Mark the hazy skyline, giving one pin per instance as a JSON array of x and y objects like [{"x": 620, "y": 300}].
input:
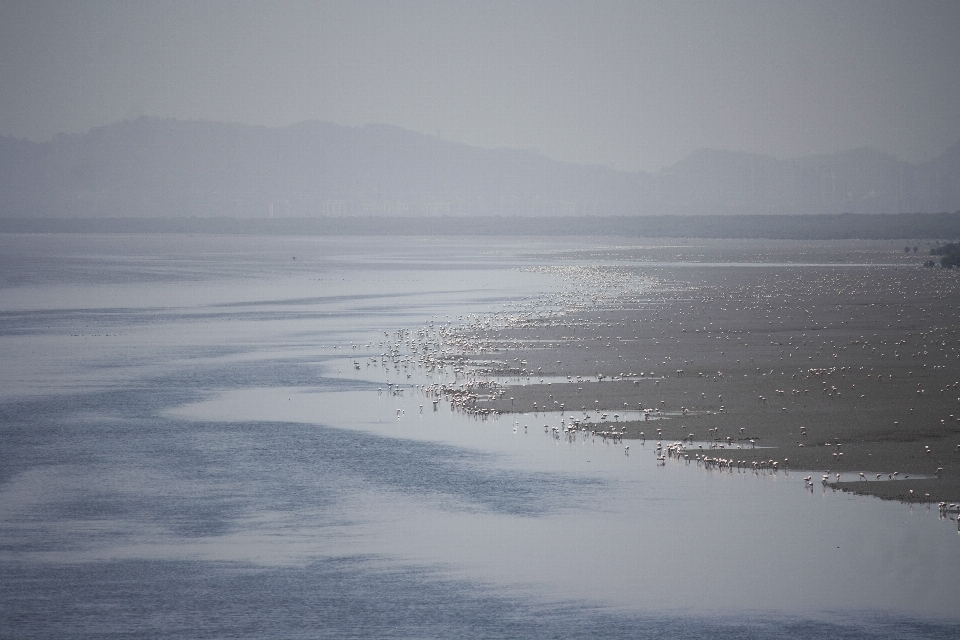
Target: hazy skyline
[{"x": 635, "y": 86}]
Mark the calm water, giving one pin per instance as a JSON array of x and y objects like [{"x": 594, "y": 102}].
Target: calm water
[{"x": 186, "y": 450}]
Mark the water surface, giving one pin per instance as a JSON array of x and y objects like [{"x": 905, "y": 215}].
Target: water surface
[{"x": 188, "y": 451}]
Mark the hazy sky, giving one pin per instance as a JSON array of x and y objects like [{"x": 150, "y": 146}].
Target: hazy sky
[{"x": 633, "y": 85}]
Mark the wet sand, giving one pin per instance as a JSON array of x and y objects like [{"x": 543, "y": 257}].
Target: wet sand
[{"x": 829, "y": 369}]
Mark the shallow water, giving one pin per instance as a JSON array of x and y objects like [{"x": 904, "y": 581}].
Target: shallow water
[{"x": 189, "y": 452}]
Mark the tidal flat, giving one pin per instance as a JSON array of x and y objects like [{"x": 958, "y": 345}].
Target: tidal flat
[{"x": 841, "y": 359}]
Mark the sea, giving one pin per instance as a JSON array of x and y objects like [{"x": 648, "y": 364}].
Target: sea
[{"x": 208, "y": 436}]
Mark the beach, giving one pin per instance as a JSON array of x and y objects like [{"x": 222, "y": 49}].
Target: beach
[{"x": 840, "y": 359}]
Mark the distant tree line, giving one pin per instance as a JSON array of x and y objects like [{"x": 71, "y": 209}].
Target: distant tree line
[
  {"x": 949, "y": 255},
  {"x": 930, "y": 226}
]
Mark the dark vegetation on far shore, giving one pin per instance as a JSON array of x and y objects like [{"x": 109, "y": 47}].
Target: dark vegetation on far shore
[
  {"x": 949, "y": 255},
  {"x": 937, "y": 226}
]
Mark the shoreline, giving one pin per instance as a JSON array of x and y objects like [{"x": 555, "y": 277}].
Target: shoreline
[{"x": 827, "y": 370}]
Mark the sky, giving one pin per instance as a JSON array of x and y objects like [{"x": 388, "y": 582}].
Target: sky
[{"x": 631, "y": 85}]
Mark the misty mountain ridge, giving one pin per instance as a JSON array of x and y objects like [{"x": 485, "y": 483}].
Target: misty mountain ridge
[{"x": 151, "y": 167}]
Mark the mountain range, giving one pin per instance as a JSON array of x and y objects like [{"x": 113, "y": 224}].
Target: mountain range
[{"x": 151, "y": 167}]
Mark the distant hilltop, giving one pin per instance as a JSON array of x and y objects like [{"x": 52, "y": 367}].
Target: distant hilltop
[{"x": 152, "y": 167}]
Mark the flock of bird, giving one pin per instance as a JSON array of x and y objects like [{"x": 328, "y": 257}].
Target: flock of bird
[{"x": 896, "y": 324}]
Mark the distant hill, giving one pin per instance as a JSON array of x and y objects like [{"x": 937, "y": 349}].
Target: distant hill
[
  {"x": 857, "y": 181},
  {"x": 150, "y": 167}
]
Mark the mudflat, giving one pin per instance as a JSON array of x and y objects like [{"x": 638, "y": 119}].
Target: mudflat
[{"x": 837, "y": 358}]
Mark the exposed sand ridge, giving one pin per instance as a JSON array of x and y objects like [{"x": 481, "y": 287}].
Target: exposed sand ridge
[{"x": 836, "y": 368}]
